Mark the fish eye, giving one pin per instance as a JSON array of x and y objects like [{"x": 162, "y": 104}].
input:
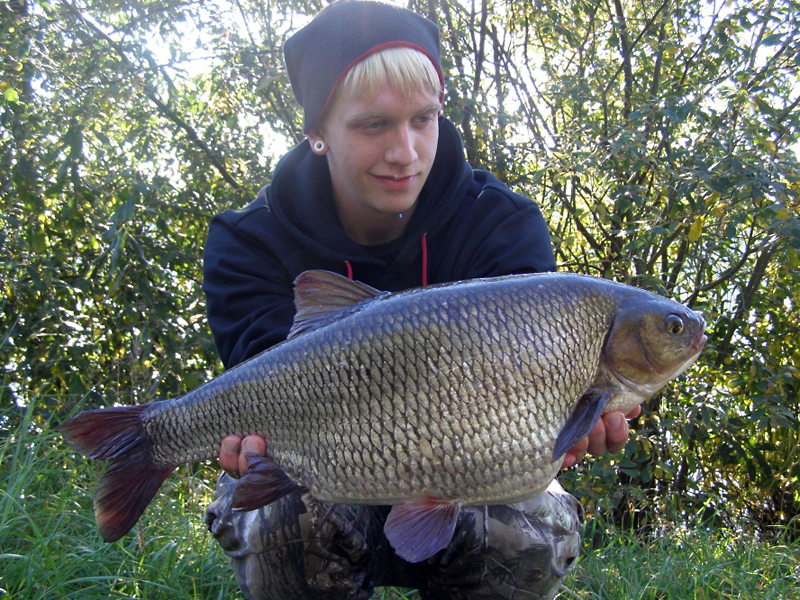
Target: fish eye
[{"x": 673, "y": 324}]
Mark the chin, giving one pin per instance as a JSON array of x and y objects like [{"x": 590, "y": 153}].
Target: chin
[{"x": 396, "y": 204}]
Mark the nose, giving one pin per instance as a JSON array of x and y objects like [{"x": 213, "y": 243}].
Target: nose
[{"x": 401, "y": 148}]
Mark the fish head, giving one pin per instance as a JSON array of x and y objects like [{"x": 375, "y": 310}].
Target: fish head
[{"x": 651, "y": 341}]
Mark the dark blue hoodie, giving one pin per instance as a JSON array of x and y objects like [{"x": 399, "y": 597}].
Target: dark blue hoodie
[{"x": 466, "y": 224}]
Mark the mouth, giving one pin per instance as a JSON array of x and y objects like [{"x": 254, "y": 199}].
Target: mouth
[
  {"x": 699, "y": 342},
  {"x": 694, "y": 350},
  {"x": 396, "y": 182}
]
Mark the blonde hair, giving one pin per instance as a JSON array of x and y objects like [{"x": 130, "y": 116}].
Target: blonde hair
[{"x": 407, "y": 70}]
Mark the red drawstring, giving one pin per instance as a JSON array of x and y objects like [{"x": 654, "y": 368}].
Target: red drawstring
[
  {"x": 424, "y": 260},
  {"x": 349, "y": 270}
]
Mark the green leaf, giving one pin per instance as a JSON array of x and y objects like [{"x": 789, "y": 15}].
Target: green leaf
[
  {"x": 129, "y": 208},
  {"x": 11, "y": 94},
  {"x": 773, "y": 40},
  {"x": 38, "y": 241},
  {"x": 695, "y": 229},
  {"x": 631, "y": 472}
]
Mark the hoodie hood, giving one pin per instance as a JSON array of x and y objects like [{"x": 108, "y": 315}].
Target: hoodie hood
[{"x": 301, "y": 197}]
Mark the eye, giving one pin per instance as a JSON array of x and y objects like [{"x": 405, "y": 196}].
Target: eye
[
  {"x": 371, "y": 126},
  {"x": 673, "y": 324}
]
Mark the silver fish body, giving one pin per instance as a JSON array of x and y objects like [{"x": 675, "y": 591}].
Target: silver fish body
[{"x": 458, "y": 394}]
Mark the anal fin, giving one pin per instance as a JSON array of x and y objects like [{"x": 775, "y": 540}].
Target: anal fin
[
  {"x": 582, "y": 420},
  {"x": 419, "y": 530}
]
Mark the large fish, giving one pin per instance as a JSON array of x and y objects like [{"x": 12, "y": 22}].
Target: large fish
[{"x": 458, "y": 394}]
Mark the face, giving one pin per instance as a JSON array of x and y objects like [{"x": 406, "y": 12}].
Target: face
[{"x": 380, "y": 151}]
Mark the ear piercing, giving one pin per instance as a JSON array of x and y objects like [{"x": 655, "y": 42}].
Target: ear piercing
[{"x": 318, "y": 146}]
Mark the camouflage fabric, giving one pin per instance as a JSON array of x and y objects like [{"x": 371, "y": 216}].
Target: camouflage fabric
[{"x": 303, "y": 549}]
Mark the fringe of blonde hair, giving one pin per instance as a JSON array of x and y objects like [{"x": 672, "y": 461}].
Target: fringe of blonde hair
[{"x": 407, "y": 70}]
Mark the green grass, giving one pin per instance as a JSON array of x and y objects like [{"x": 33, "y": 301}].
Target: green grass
[
  {"x": 49, "y": 546},
  {"x": 691, "y": 564}
]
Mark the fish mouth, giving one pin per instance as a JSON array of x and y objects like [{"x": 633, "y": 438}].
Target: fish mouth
[
  {"x": 699, "y": 343},
  {"x": 695, "y": 349}
]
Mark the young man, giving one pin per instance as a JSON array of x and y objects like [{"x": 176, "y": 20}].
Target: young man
[{"x": 379, "y": 192}]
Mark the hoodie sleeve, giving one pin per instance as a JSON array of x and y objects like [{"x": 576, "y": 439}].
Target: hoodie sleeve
[{"x": 248, "y": 294}]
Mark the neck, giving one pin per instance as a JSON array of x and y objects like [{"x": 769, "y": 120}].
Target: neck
[{"x": 375, "y": 228}]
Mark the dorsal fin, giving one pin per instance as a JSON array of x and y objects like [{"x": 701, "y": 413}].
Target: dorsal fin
[{"x": 322, "y": 297}]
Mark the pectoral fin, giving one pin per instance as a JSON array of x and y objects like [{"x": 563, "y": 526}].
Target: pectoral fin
[
  {"x": 264, "y": 483},
  {"x": 581, "y": 421},
  {"x": 419, "y": 530}
]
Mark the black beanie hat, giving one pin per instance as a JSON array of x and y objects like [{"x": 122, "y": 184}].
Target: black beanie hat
[{"x": 320, "y": 54}]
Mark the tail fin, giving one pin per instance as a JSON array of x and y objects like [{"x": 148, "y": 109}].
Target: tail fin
[{"x": 132, "y": 479}]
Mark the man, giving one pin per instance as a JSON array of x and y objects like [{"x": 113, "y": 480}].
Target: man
[{"x": 380, "y": 191}]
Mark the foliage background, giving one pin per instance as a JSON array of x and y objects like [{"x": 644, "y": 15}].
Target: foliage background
[{"x": 660, "y": 139}]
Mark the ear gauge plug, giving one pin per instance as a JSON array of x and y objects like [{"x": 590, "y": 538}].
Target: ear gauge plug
[{"x": 318, "y": 146}]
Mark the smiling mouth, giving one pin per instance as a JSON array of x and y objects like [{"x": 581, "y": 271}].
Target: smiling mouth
[{"x": 396, "y": 181}]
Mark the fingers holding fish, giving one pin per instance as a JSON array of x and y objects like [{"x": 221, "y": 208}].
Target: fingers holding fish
[
  {"x": 229, "y": 453},
  {"x": 615, "y": 432},
  {"x": 609, "y": 433},
  {"x": 575, "y": 454},
  {"x": 234, "y": 450}
]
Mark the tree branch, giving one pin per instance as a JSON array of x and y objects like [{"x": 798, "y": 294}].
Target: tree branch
[
  {"x": 626, "y": 58},
  {"x": 759, "y": 271},
  {"x": 165, "y": 111}
]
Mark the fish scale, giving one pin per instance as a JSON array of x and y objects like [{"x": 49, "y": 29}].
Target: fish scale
[{"x": 429, "y": 399}]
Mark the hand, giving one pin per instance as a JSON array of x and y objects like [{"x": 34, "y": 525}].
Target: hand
[
  {"x": 234, "y": 450},
  {"x": 609, "y": 433}
]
